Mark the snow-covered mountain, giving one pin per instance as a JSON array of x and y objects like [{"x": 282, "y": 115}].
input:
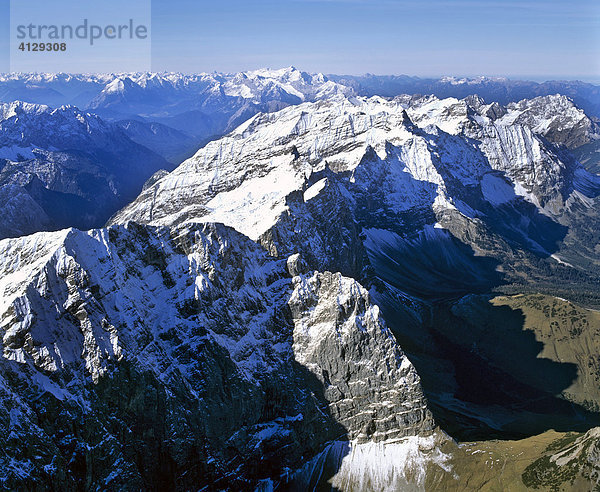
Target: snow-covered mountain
[
  {"x": 209, "y": 105},
  {"x": 51, "y": 89},
  {"x": 423, "y": 200},
  {"x": 289, "y": 308},
  {"x": 493, "y": 89},
  {"x": 555, "y": 117},
  {"x": 201, "y": 105},
  {"x": 81, "y": 89},
  {"x": 255, "y": 85},
  {"x": 172, "y": 114},
  {"x": 64, "y": 167},
  {"x": 68, "y": 167},
  {"x": 414, "y": 155}
]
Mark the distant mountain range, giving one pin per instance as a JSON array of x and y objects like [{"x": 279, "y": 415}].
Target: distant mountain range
[
  {"x": 203, "y": 105},
  {"x": 186, "y": 111},
  {"x": 92, "y": 90},
  {"x": 172, "y": 93}
]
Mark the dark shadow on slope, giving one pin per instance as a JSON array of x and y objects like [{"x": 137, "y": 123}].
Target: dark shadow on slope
[
  {"x": 481, "y": 374},
  {"x": 589, "y": 155},
  {"x": 523, "y": 227},
  {"x": 480, "y": 371},
  {"x": 60, "y": 207},
  {"x": 431, "y": 265},
  {"x": 330, "y": 443},
  {"x": 497, "y": 366},
  {"x": 209, "y": 429}
]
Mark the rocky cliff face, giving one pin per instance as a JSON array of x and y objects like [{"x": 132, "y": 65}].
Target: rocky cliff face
[
  {"x": 556, "y": 118},
  {"x": 132, "y": 346}
]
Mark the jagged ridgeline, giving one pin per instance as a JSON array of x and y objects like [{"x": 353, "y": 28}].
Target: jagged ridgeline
[
  {"x": 144, "y": 357},
  {"x": 309, "y": 301}
]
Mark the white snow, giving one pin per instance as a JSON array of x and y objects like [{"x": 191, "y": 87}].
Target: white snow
[
  {"x": 382, "y": 466},
  {"x": 315, "y": 189},
  {"x": 386, "y": 466},
  {"x": 562, "y": 262}
]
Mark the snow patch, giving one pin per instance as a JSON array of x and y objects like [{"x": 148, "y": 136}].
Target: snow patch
[{"x": 315, "y": 189}]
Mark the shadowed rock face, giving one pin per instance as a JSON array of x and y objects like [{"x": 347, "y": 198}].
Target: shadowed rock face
[
  {"x": 65, "y": 168},
  {"x": 185, "y": 357}
]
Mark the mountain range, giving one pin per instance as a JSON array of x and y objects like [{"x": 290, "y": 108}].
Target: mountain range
[
  {"x": 209, "y": 105},
  {"x": 336, "y": 291}
]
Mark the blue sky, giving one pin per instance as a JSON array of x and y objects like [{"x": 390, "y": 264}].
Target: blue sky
[
  {"x": 4, "y": 36},
  {"x": 420, "y": 37},
  {"x": 536, "y": 39}
]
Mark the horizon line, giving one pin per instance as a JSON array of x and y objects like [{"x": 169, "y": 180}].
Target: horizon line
[{"x": 513, "y": 77}]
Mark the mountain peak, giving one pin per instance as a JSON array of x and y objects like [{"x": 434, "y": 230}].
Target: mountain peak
[{"x": 8, "y": 110}]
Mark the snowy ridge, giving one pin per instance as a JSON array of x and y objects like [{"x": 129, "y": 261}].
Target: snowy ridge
[
  {"x": 422, "y": 149},
  {"x": 214, "y": 93},
  {"x": 8, "y": 110},
  {"x": 555, "y": 117}
]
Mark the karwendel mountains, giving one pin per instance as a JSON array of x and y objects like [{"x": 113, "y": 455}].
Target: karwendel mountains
[{"x": 276, "y": 280}]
